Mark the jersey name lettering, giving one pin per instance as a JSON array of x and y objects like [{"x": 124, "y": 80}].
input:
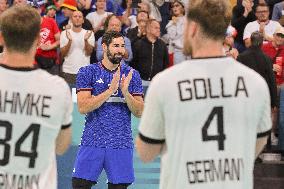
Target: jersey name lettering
[
  {"x": 29, "y": 104},
  {"x": 19, "y": 181},
  {"x": 214, "y": 170},
  {"x": 201, "y": 88}
]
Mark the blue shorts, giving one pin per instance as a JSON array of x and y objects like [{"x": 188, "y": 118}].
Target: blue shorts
[{"x": 117, "y": 163}]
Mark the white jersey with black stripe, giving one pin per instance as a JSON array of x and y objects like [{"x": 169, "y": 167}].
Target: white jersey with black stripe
[
  {"x": 209, "y": 113},
  {"x": 34, "y": 105}
]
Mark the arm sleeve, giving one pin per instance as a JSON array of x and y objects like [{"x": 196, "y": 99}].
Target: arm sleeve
[
  {"x": 84, "y": 79},
  {"x": 135, "y": 86},
  {"x": 152, "y": 122}
]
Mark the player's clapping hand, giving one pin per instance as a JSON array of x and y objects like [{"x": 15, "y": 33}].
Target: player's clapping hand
[
  {"x": 115, "y": 81},
  {"x": 124, "y": 84}
]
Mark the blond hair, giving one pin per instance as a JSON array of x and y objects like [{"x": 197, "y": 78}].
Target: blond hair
[
  {"x": 213, "y": 16},
  {"x": 20, "y": 27}
]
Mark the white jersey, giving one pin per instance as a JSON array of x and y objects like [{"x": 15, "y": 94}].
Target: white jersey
[
  {"x": 76, "y": 57},
  {"x": 34, "y": 107},
  {"x": 209, "y": 113}
]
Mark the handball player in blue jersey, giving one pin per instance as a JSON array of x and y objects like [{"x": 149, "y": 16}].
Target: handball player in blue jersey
[{"x": 107, "y": 92}]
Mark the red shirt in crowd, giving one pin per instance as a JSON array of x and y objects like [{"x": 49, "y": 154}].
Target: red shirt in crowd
[
  {"x": 275, "y": 54},
  {"x": 47, "y": 36}
]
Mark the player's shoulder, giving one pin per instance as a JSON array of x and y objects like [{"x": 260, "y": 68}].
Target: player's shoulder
[
  {"x": 91, "y": 68},
  {"x": 48, "y": 79},
  {"x": 126, "y": 69},
  {"x": 220, "y": 66}
]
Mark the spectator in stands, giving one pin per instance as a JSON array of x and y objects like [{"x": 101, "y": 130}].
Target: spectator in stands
[
  {"x": 262, "y": 24},
  {"x": 275, "y": 50},
  {"x": 277, "y": 11},
  {"x": 140, "y": 30},
  {"x": 175, "y": 29},
  {"x": 98, "y": 17},
  {"x": 84, "y": 6},
  {"x": 51, "y": 11},
  {"x": 76, "y": 46},
  {"x": 254, "y": 58},
  {"x": 228, "y": 43},
  {"x": 3, "y": 5},
  {"x": 68, "y": 7},
  {"x": 46, "y": 54},
  {"x": 130, "y": 15},
  {"x": 112, "y": 23},
  {"x": 150, "y": 54},
  {"x": 117, "y": 7},
  {"x": 242, "y": 15}
]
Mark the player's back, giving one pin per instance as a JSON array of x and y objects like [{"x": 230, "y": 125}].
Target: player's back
[
  {"x": 33, "y": 107},
  {"x": 213, "y": 110}
]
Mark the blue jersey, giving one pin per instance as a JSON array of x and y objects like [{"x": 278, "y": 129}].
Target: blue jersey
[{"x": 109, "y": 126}]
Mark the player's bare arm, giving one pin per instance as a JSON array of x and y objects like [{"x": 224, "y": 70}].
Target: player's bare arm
[
  {"x": 134, "y": 103},
  {"x": 260, "y": 143},
  {"x": 63, "y": 140},
  {"x": 147, "y": 152},
  {"x": 88, "y": 102}
]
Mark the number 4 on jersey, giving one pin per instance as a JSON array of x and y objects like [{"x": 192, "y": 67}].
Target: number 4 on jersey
[
  {"x": 32, "y": 130},
  {"x": 220, "y": 137}
]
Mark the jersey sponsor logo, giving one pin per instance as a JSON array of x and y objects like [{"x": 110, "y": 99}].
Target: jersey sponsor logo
[
  {"x": 211, "y": 170},
  {"x": 28, "y": 104},
  {"x": 116, "y": 99},
  {"x": 200, "y": 88},
  {"x": 100, "y": 81},
  {"x": 19, "y": 181}
]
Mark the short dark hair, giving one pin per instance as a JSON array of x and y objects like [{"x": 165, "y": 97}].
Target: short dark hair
[
  {"x": 256, "y": 39},
  {"x": 20, "y": 27},
  {"x": 213, "y": 16},
  {"x": 109, "y": 36},
  {"x": 262, "y": 5}
]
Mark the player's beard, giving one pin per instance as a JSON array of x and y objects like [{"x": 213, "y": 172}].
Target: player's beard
[
  {"x": 114, "y": 58},
  {"x": 187, "y": 47}
]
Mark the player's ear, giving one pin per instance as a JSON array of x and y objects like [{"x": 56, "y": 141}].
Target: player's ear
[
  {"x": 38, "y": 40},
  {"x": 193, "y": 29},
  {"x": 1, "y": 39},
  {"x": 104, "y": 47}
]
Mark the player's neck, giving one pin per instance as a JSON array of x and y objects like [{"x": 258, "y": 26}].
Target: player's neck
[
  {"x": 109, "y": 65},
  {"x": 16, "y": 60},
  {"x": 208, "y": 49}
]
